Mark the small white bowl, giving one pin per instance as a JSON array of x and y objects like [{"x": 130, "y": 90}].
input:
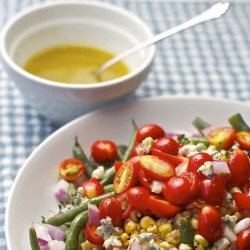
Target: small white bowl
[{"x": 90, "y": 23}]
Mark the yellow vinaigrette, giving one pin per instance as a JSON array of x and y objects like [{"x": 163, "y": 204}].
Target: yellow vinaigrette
[{"x": 73, "y": 64}]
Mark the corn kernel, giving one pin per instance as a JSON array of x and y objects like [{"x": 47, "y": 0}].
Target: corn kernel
[
  {"x": 177, "y": 220},
  {"x": 194, "y": 223},
  {"x": 129, "y": 226},
  {"x": 164, "y": 229},
  {"x": 133, "y": 215},
  {"x": 200, "y": 240},
  {"x": 165, "y": 245},
  {"x": 174, "y": 237},
  {"x": 149, "y": 224},
  {"x": 124, "y": 237},
  {"x": 200, "y": 247},
  {"x": 86, "y": 245}
]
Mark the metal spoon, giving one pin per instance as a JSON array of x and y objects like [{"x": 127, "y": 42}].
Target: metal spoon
[{"x": 215, "y": 11}]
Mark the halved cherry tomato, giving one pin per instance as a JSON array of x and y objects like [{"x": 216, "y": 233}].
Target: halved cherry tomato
[
  {"x": 166, "y": 145},
  {"x": 212, "y": 190},
  {"x": 242, "y": 201},
  {"x": 181, "y": 168},
  {"x": 138, "y": 197},
  {"x": 149, "y": 130},
  {"x": 145, "y": 212},
  {"x": 92, "y": 235},
  {"x": 104, "y": 151},
  {"x": 180, "y": 190},
  {"x": 243, "y": 240},
  {"x": 210, "y": 224},
  {"x": 161, "y": 208},
  {"x": 71, "y": 169},
  {"x": 111, "y": 207},
  {"x": 239, "y": 166},
  {"x": 176, "y": 160},
  {"x": 157, "y": 167},
  {"x": 198, "y": 160},
  {"x": 117, "y": 165},
  {"x": 127, "y": 207},
  {"x": 126, "y": 177},
  {"x": 222, "y": 138},
  {"x": 144, "y": 180},
  {"x": 243, "y": 138},
  {"x": 92, "y": 188}
]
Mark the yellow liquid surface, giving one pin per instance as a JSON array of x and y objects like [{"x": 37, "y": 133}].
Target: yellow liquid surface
[{"x": 73, "y": 64}]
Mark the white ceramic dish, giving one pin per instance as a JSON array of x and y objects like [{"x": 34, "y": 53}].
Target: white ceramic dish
[
  {"x": 32, "y": 192},
  {"x": 93, "y": 23}
]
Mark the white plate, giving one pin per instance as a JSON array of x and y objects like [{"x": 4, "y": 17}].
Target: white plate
[{"x": 32, "y": 192}]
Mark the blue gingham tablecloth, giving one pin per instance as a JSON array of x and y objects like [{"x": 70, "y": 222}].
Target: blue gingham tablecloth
[{"x": 212, "y": 59}]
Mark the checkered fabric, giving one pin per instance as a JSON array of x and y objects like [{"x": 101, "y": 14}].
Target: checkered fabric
[{"x": 212, "y": 59}]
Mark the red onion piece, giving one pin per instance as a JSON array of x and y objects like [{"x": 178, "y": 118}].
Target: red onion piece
[
  {"x": 61, "y": 190},
  {"x": 42, "y": 242},
  {"x": 172, "y": 135},
  {"x": 45, "y": 247},
  {"x": 94, "y": 215},
  {"x": 220, "y": 167},
  {"x": 135, "y": 245},
  {"x": 56, "y": 233},
  {"x": 207, "y": 130},
  {"x": 41, "y": 231}
]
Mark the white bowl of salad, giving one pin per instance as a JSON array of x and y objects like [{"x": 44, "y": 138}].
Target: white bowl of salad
[{"x": 135, "y": 177}]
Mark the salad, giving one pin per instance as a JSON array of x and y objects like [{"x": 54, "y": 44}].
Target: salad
[{"x": 164, "y": 191}]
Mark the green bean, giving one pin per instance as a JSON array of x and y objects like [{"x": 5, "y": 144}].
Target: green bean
[
  {"x": 108, "y": 188},
  {"x": 33, "y": 239},
  {"x": 58, "y": 220},
  {"x": 131, "y": 143},
  {"x": 238, "y": 123},
  {"x": 82, "y": 239},
  {"x": 186, "y": 231},
  {"x": 108, "y": 179},
  {"x": 72, "y": 241},
  {"x": 196, "y": 140},
  {"x": 200, "y": 124},
  {"x": 121, "y": 151},
  {"x": 71, "y": 189},
  {"x": 79, "y": 154}
]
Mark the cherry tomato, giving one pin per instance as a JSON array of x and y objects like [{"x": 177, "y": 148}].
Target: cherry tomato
[
  {"x": 239, "y": 166},
  {"x": 111, "y": 207},
  {"x": 117, "y": 165},
  {"x": 197, "y": 161},
  {"x": 161, "y": 208},
  {"x": 176, "y": 160},
  {"x": 222, "y": 138},
  {"x": 156, "y": 167},
  {"x": 243, "y": 240},
  {"x": 127, "y": 207},
  {"x": 135, "y": 160},
  {"x": 150, "y": 130},
  {"x": 91, "y": 234},
  {"x": 126, "y": 177},
  {"x": 212, "y": 190},
  {"x": 167, "y": 145},
  {"x": 210, "y": 224},
  {"x": 71, "y": 169},
  {"x": 92, "y": 188},
  {"x": 144, "y": 180},
  {"x": 180, "y": 190},
  {"x": 243, "y": 138},
  {"x": 242, "y": 201},
  {"x": 104, "y": 151},
  {"x": 138, "y": 197}
]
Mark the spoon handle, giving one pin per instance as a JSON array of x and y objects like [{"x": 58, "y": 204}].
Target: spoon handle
[{"x": 215, "y": 11}]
